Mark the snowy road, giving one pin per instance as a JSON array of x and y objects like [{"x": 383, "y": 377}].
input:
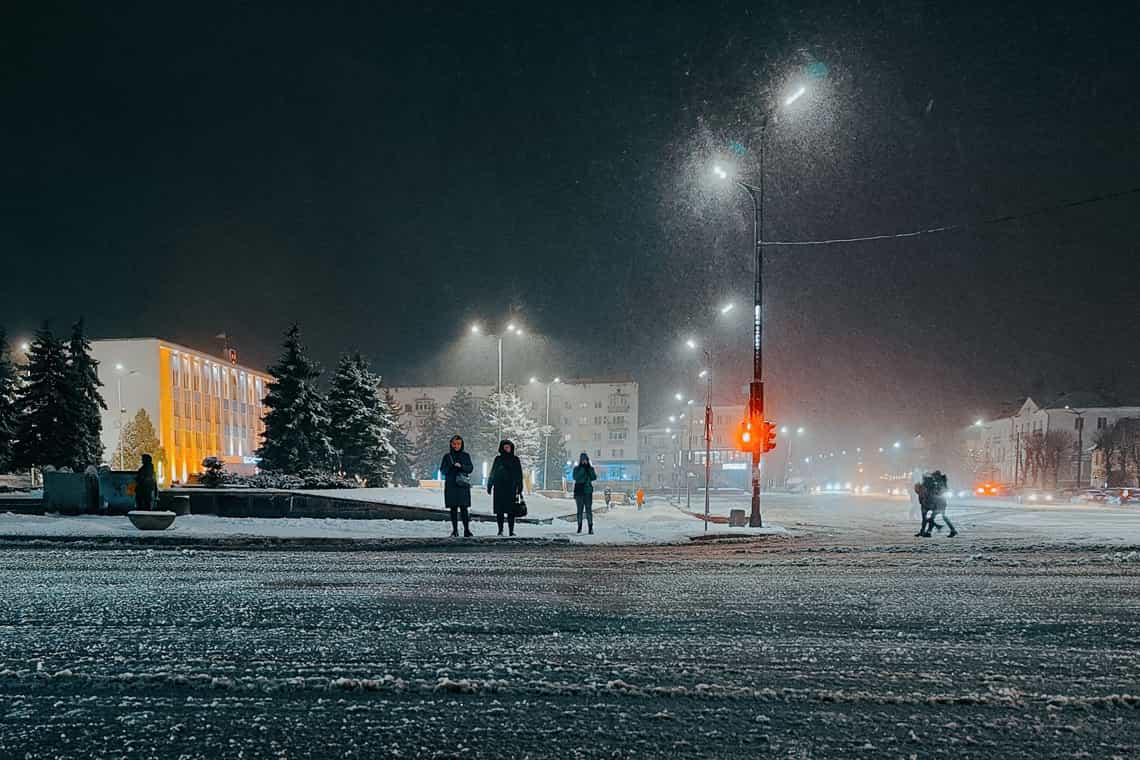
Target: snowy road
[{"x": 851, "y": 640}]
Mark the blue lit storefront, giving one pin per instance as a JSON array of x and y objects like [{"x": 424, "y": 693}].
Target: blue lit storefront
[{"x": 619, "y": 473}]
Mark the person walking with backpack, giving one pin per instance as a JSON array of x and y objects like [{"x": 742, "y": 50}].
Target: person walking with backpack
[
  {"x": 457, "y": 468},
  {"x": 146, "y": 485},
  {"x": 584, "y": 477},
  {"x": 506, "y": 484}
]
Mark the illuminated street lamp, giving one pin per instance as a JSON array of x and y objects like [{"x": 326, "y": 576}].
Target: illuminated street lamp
[
  {"x": 756, "y": 387},
  {"x": 512, "y": 328},
  {"x": 546, "y": 446},
  {"x": 120, "y": 370}
]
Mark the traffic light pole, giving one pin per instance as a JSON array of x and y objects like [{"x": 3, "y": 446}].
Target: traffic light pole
[{"x": 756, "y": 387}]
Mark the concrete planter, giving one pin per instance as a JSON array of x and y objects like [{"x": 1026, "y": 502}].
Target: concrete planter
[{"x": 146, "y": 520}]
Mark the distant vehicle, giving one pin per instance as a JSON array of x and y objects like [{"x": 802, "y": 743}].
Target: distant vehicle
[
  {"x": 1122, "y": 496},
  {"x": 988, "y": 489},
  {"x": 1034, "y": 495},
  {"x": 1091, "y": 496}
]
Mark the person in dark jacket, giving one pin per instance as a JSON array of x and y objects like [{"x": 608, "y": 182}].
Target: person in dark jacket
[
  {"x": 584, "y": 477},
  {"x": 506, "y": 483},
  {"x": 146, "y": 484},
  {"x": 456, "y": 492}
]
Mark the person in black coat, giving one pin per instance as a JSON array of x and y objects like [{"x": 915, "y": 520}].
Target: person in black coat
[
  {"x": 457, "y": 495},
  {"x": 506, "y": 482},
  {"x": 146, "y": 484}
]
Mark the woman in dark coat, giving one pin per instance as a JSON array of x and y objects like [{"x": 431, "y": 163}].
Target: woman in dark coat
[
  {"x": 457, "y": 495},
  {"x": 146, "y": 484},
  {"x": 506, "y": 481},
  {"x": 584, "y": 477}
]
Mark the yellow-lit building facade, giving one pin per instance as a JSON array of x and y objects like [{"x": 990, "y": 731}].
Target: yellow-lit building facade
[{"x": 200, "y": 405}]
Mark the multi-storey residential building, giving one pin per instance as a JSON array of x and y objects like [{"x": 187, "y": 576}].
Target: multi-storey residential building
[
  {"x": 593, "y": 415},
  {"x": 201, "y": 405},
  {"x": 1001, "y": 450}
]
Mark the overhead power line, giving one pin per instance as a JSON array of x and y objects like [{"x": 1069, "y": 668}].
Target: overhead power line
[{"x": 962, "y": 225}]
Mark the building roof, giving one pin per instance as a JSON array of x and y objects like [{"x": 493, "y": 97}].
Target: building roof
[{"x": 181, "y": 347}]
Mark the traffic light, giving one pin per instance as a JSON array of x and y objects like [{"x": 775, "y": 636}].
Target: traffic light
[
  {"x": 769, "y": 437},
  {"x": 746, "y": 437}
]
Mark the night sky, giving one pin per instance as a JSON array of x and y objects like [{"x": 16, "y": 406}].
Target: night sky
[{"x": 384, "y": 173}]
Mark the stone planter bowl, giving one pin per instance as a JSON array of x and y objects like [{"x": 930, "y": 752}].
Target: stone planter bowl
[{"x": 147, "y": 520}]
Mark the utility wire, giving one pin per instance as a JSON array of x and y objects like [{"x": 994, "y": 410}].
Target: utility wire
[{"x": 961, "y": 226}]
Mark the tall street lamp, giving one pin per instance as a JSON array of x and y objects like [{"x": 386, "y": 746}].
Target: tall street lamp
[
  {"x": 1080, "y": 415},
  {"x": 120, "y": 370},
  {"x": 511, "y": 329},
  {"x": 756, "y": 387},
  {"x": 546, "y": 446}
]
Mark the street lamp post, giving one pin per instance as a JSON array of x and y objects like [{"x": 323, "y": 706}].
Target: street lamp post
[
  {"x": 546, "y": 445},
  {"x": 1080, "y": 441},
  {"x": 119, "y": 370},
  {"x": 515, "y": 330},
  {"x": 708, "y": 433}
]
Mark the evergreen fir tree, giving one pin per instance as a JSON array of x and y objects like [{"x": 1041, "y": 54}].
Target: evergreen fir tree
[
  {"x": 46, "y": 426},
  {"x": 358, "y": 423},
  {"x": 138, "y": 437},
  {"x": 8, "y": 407},
  {"x": 462, "y": 416},
  {"x": 431, "y": 445},
  {"x": 87, "y": 404},
  {"x": 296, "y": 437},
  {"x": 402, "y": 448},
  {"x": 508, "y": 413}
]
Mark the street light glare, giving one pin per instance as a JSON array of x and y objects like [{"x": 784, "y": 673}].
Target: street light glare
[
  {"x": 25, "y": 347},
  {"x": 119, "y": 367},
  {"x": 795, "y": 96},
  {"x": 784, "y": 430},
  {"x": 691, "y": 343},
  {"x": 557, "y": 379},
  {"x": 727, "y": 308},
  {"x": 475, "y": 329},
  {"x": 800, "y": 430},
  {"x": 720, "y": 172},
  {"x": 979, "y": 423},
  {"x": 678, "y": 396},
  {"x": 703, "y": 373},
  {"x": 534, "y": 379},
  {"x": 897, "y": 444}
]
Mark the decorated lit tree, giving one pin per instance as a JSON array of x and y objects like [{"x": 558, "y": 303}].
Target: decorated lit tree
[
  {"x": 87, "y": 403},
  {"x": 509, "y": 417},
  {"x": 358, "y": 423},
  {"x": 45, "y": 431},
  {"x": 296, "y": 436},
  {"x": 138, "y": 437},
  {"x": 8, "y": 417}
]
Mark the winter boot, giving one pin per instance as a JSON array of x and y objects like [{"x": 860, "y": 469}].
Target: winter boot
[
  {"x": 454, "y": 533},
  {"x": 591, "y": 530},
  {"x": 579, "y": 527},
  {"x": 951, "y": 534},
  {"x": 467, "y": 532}
]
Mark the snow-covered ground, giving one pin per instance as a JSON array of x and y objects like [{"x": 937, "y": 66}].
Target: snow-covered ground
[{"x": 657, "y": 524}]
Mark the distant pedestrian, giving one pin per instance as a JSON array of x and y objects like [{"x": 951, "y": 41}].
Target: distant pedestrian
[
  {"x": 584, "y": 477},
  {"x": 457, "y": 468},
  {"x": 640, "y": 497},
  {"x": 609, "y": 494},
  {"x": 146, "y": 484},
  {"x": 506, "y": 483},
  {"x": 932, "y": 497}
]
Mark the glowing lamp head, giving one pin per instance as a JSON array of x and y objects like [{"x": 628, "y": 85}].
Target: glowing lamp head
[{"x": 720, "y": 172}]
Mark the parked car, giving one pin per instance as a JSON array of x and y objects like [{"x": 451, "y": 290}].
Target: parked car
[
  {"x": 1091, "y": 496},
  {"x": 1122, "y": 496},
  {"x": 1033, "y": 495}
]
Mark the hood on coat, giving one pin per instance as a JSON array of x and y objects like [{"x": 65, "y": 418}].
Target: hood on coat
[
  {"x": 455, "y": 438},
  {"x": 503, "y": 446},
  {"x": 583, "y": 458}
]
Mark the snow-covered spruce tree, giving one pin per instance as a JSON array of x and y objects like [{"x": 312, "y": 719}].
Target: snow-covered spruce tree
[
  {"x": 463, "y": 417},
  {"x": 7, "y": 404},
  {"x": 508, "y": 413},
  {"x": 402, "y": 448},
  {"x": 358, "y": 423},
  {"x": 87, "y": 403},
  {"x": 431, "y": 445},
  {"x": 296, "y": 437},
  {"x": 138, "y": 437},
  {"x": 45, "y": 427}
]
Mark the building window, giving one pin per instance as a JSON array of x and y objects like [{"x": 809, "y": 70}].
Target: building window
[
  {"x": 583, "y": 420},
  {"x": 424, "y": 405},
  {"x": 1101, "y": 423}
]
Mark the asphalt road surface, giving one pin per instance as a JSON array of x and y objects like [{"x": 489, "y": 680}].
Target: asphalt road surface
[{"x": 841, "y": 640}]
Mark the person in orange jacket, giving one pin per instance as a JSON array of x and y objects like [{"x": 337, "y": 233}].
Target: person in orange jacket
[{"x": 640, "y": 496}]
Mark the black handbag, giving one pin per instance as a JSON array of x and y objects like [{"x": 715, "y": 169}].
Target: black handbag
[
  {"x": 462, "y": 479},
  {"x": 520, "y": 506}
]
